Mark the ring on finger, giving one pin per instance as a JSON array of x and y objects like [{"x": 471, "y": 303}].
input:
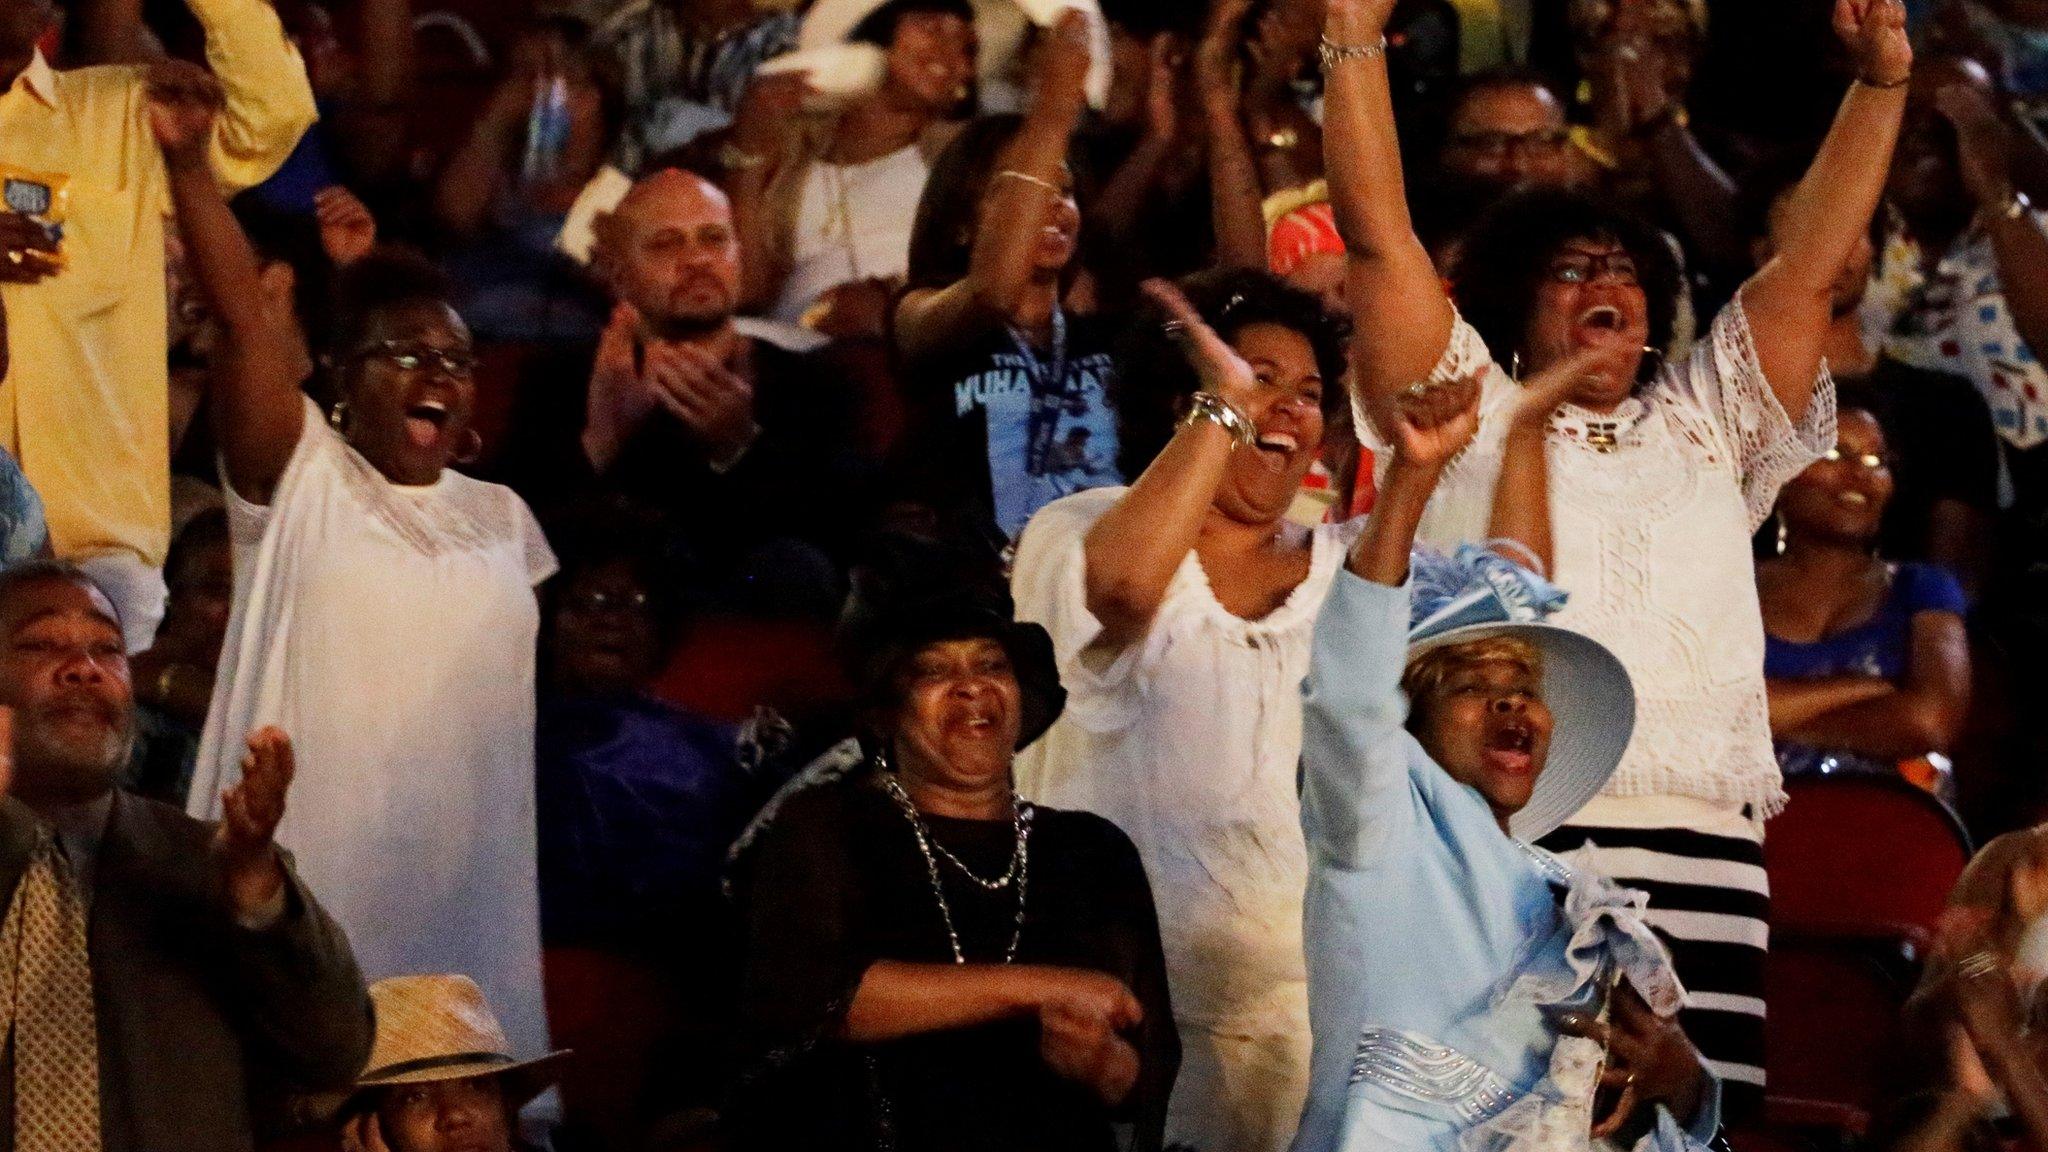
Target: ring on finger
[
  {"x": 1977, "y": 965},
  {"x": 1420, "y": 388},
  {"x": 1174, "y": 329}
]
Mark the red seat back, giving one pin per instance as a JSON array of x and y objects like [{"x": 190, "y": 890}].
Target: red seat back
[
  {"x": 1862, "y": 856},
  {"x": 1834, "y": 1017}
]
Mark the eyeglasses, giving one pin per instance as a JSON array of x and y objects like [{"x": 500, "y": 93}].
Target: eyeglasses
[
  {"x": 1540, "y": 143},
  {"x": 1870, "y": 461},
  {"x": 1586, "y": 267},
  {"x": 410, "y": 357},
  {"x": 608, "y": 602}
]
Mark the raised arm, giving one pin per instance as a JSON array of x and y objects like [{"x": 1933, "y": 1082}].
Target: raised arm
[
  {"x": 112, "y": 32},
  {"x": 1521, "y": 495},
  {"x": 269, "y": 101},
  {"x": 290, "y": 964},
  {"x": 1403, "y": 316},
  {"x": 1985, "y": 145},
  {"x": 258, "y": 411},
  {"x": 1430, "y": 425},
  {"x": 1828, "y": 214},
  {"x": 759, "y": 148},
  {"x": 473, "y": 176},
  {"x": 1233, "y": 174},
  {"x": 1136, "y": 547},
  {"x": 1355, "y": 763},
  {"x": 1122, "y": 201},
  {"x": 999, "y": 273}
]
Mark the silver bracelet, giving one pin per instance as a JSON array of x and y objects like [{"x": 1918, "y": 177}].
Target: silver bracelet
[
  {"x": 1011, "y": 173},
  {"x": 1332, "y": 53},
  {"x": 2017, "y": 205},
  {"x": 1209, "y": 408}
]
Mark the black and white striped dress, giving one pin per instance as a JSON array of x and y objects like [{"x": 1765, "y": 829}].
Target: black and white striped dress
[{"x": 1703, "y": 870}]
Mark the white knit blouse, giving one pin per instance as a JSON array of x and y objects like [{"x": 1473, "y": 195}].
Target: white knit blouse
[{"x": 1653, "y": 543}]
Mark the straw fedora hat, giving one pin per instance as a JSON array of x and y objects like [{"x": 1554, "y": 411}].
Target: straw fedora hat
[
  {"x": 1477, "y": 595},
  {"x": 436, "y": 1028}
]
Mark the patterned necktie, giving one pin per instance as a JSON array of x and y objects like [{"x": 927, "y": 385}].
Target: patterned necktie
[{"x": 46, "y": 1000}]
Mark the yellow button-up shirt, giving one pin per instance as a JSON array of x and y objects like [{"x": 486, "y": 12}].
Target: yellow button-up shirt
[{"x": 84, "y": 404}]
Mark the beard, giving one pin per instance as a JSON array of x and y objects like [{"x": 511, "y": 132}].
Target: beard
[
  {"x": 70, "y": 768},
  {"x": 687, "y": 327}
]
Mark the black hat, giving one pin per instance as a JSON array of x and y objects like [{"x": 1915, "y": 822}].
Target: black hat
[{"x": 880, "y": 642}]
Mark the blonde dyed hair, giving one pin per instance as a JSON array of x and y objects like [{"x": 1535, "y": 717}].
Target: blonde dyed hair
[{"x": 1426, "y": 675}]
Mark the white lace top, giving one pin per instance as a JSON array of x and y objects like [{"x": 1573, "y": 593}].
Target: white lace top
[
  {"x": 390, "y": 631},
  {"x": 1652, "y": 542}
]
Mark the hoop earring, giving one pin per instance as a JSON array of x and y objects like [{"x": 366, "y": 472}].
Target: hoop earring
[
  {"x": 473, "y": 448},
  {"x": 337, "y": 417},
  {"x": 1783, "y": 532},
  {"x": 1656, "y": 357}
]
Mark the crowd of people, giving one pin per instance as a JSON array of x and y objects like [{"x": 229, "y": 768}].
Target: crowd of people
[{"x": 1024, "y": 575}]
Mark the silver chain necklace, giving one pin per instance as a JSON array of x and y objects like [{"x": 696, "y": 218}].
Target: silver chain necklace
[{"x": 1019, "y": 870}]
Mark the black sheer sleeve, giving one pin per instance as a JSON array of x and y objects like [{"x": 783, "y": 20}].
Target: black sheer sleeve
[
  {"x": 1125, "y": 887},
  {"x": 805, "y": 949}
]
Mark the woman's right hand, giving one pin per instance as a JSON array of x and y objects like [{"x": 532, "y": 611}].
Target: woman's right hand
[
  {"x": 1543, "y": 392},
  {"x": 1062, "y": 88},
  {"x": 184, "y": 101},
  {"x": 768, "y": 113}
]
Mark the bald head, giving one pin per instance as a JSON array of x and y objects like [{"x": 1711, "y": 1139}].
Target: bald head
[{"x": 670, "y": 250}]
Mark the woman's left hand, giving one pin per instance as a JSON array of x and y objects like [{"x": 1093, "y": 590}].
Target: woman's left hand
[
  {"x": 1083, "y": 1048},
  {"x": 1649, "y": 1060},
  {"x": 1217, "y": 365},
  {"x": 1433, "y": 422},
  {"x": 1874, "y": 31}
]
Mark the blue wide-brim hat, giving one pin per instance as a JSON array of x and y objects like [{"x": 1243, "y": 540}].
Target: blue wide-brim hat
[{"x": 1477, "y": 594}]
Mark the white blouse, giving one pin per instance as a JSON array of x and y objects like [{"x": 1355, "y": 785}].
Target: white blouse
[
  {"x": 1652, "y": 540},
  {"x": 1189, "y": 740},
  {"x": 390, "y": 631},
  {"x": 853, "y": 223}
]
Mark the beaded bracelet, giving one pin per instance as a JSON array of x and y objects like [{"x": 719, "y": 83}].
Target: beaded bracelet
[{"x": 1332, "y": 53}]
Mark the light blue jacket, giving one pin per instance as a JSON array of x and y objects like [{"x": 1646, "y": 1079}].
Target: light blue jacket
[{"x": 1433, "y": 938}]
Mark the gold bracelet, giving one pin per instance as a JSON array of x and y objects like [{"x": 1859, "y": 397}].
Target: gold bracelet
[
  {"x": 1209, "y": 408},
  {"x": 1011, "y": 173},
  {"x": 1332, "y": 53}
]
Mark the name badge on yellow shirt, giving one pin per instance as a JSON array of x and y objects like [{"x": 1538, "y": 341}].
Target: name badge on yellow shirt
[{"x": 42, "y": 197}]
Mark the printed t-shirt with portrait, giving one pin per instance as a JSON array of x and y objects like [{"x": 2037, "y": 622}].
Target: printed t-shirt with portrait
[{"x": 1004, "y": 428}]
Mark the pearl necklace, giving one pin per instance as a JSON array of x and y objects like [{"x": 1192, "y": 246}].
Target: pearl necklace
[{"x": 1018, "y": 872}]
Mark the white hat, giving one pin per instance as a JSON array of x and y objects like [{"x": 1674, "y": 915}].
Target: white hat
[
  {"x": 999, "y": 25},
  {"x": 1478, "y": 595}
]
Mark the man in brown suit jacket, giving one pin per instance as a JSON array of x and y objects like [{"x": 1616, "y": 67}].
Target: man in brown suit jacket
[{"x": 211, "y": 963}]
